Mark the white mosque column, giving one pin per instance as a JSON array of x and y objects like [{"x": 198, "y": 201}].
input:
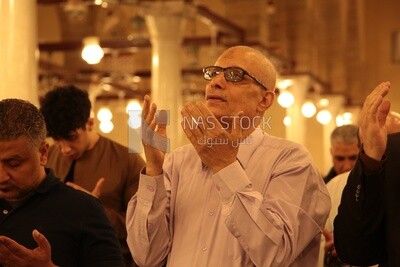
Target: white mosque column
[
  {"x": 18, "y": 52},
  {"x": 296, "y": 130},
  {"x": 166, "y": 23}
]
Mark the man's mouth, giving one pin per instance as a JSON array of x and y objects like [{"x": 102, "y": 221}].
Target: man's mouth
[
  {"x": 4, "y": 189},
  {"x": 215, "y": 98}
]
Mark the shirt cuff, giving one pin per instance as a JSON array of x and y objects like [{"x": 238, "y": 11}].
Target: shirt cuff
[
  {"x": 371, "y": 165},
  {"x": 149, "y": 185}
]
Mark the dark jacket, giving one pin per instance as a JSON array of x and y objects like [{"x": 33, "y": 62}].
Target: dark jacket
[{"x": 367, "y": 228}]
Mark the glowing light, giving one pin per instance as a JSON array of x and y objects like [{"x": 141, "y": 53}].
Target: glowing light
[
  {"x": 348, "y": 116},
  {"x": 104, "y": 114},
  {"x": 133, "y": 105},
  {"x": 286, "y": 99},
  {"x": 135, "y": 119},
  {"x": 106, "y": 126},
  {"x": 287, "y": 121},
  {"x": 308, "y": 109},
  {"x": 343, "y": 119},
  {"x": 92, "y": 53},
  {"x": 136, "y": 79},
  {"x": 134, "y": 109},
  {"x": 323, "y": 102},
  {"x": 324, "y": 116},
  {"x": 284, "y": 84}
]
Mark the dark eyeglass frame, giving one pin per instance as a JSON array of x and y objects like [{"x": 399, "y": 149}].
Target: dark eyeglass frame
[{"x": 238, "y": 70}]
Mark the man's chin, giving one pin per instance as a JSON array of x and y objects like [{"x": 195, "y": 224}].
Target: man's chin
[
  {"x": 9, "y": 196},
  {"x": 216, "y": 111}
]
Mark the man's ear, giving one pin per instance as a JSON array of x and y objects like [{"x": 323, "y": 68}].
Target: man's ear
[
  {"x": 44, "y": 152},
  {"x": 266, "y": 101},
  {"x": 90, "y": 124}
]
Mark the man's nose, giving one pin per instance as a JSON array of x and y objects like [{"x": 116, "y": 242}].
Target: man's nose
[
  {"x": 64, "y": 147},
  {"x": 348, "y": 165},
  {"x": 3, "y": 174},
  {"x": 218, "y": 81}
]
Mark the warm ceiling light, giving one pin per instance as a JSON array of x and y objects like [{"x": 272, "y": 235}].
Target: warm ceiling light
[
  {"x": 324, "y": 116},
  {"x": 133, "y": 105},
  {"x": 287, "y": 121},
  {"x": 104, "y": 114},
  {"x": 106, "y": 126},
  {"x": 134, "y": 109},
  {"x": 284, "y": 84},
  {"x": 343, "y": 119},
  {"x": 92, "y": 52},
  {"x": 323, "y": 102},
  {"x": 308, "y": 109},
  {"x": 285, "y": 99}
]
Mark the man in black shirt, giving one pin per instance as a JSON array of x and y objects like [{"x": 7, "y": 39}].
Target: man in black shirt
[{"x": 43, "y": 222}]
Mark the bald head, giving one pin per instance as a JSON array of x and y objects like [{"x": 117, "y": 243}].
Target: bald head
[{"x": 255, "y": 62}]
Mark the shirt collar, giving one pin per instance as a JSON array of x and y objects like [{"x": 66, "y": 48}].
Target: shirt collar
[{"x": 46, "y": 185}]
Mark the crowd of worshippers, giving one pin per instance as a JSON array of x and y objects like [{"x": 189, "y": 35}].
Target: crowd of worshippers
[{"x": 251, "y": 200}]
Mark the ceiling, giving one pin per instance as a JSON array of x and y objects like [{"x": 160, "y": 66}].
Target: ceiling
[{"x": 326, "y": 40}]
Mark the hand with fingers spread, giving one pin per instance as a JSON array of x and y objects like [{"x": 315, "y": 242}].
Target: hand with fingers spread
[
  {"x": 373, "y": 133},
  {"x": 95, "y": 192},
  {"x": 216, "y": 145},
  {"x": 13, "y": 254},
  {"x": 154, "y": 138}
]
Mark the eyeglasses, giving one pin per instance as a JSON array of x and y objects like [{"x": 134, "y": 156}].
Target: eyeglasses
[{"x": 231, "y": 74}]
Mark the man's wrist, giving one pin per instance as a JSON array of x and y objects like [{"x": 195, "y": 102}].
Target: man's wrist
[
  {"x": 369, "y": 164},
  {"x": 152, "y": 171}
]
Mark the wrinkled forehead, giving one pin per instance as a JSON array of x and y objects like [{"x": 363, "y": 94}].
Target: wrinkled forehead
[
  {"x": 250, "y": 60},
  {"x": 238, "y": 58}
]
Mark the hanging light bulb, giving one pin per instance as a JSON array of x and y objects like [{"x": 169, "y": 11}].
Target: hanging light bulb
[
  {"x": 133, "y": 105},
  {"x": 287, "y": 121},
  {"x": 308, "y": 109},
  {"x": 104, "y": 114},
  {"x": 343, "y": 119},
  {"x": 284, "y": 84},
  {"x": 348, "y": 116},
  {"x": 92, "y": 53},
  {"x": 135, "y": 119},
  {"x": 339, "y": 121},
  {"x": 324, "y": 116},
  {"x": 285, "y": 99},
  {"x": 134, "y": 109},
  {"x": 323, "y": 102},
  {"x": 106, "y": 126}
]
